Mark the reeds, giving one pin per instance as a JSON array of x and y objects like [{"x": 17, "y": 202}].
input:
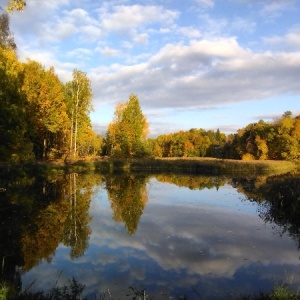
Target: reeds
[
  {"x": 211, "y": 166},
  {"x": 208, "y": 166},
  {"x": 205, "y": 166}
]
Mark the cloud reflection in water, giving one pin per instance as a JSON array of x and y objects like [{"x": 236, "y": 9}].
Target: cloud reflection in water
[{"x": 207, "y": 240}]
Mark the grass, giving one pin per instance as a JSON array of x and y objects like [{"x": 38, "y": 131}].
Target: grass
[
  {"x": 280, "y": 292},
  {"x": 212, "y": 166},
  {"x": 74, "y": 290},
  {"x": 4, "y": 291},
  {"x": 205, "y": 166}
]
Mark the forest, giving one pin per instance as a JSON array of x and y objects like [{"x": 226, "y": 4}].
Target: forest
[
  {"x": 43, "y": 118},
  {"x": 277, "y": 140}
]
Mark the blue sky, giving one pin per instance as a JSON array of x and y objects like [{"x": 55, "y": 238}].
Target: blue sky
[{"x": 193, "y": 63}]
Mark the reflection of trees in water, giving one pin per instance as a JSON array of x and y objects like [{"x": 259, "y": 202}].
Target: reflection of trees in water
[
  {"x": 193, "y": 182},
  {"x": 45, "y": 233},
  {"x": 76, "y": 229},
  {"x": 250, "y": 187},
  {"x": 128, "y": 196},
  {"x": 38, "y": 213},
  {"x": 279, "y": 198},
  {"x": 283, "y": 204}
]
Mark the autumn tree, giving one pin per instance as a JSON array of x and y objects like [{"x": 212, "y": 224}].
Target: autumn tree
[
  {"x": 127, "y": 133},
  {"x": 286, "y": 143},
  {"x": 15, "y": 144},
  {"x": 89, "y": 143},
  {"x": 16, "y": 5},
  {"x": 191, "y": 143},
  {"x": 46, "y": 108},
  {"x": 78, "y": 95},
  {"x": 49, "y": 225},
  {"x": 278, "y": 140},
  {"x": 128, "y": 196},
  {"x": 77, "y": 230}
]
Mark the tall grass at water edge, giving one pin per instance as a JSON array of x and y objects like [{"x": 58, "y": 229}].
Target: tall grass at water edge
[{"x": 207, "y": 166}]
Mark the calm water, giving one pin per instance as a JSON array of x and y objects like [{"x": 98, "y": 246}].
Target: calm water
[{"x": 202, "y": 237}]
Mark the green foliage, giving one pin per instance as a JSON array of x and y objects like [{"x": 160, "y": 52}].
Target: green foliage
[
  {"x": 4, "y": 291},
  {"x": 281, "y": 292},
  {"x": 126, "y": 135}
]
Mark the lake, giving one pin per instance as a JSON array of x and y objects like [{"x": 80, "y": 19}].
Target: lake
[{"x": 167, "y": 236}]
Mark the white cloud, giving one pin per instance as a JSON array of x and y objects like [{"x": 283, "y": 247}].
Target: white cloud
[
  {"x": 59, "y": 32},
  {"x": 274, "y": 9},
  {"x": 141, "y": 38},
  {"x": 213, "y": 26},
  {"x": 205, "y": 3},
  {"x": 76, "y": 21},
  {"x": 291, "y": 40},
  {"x": 171, "y": 54},
  {"x": 129, "y": 17},
  {"x": 131, "y": 20},
  {"x": 82, "y": 53},
  {"x": 203, "y": 73},
  {"x": 107, "y": 51},
  {"x": 242, "y": 24},
  {"x": 190, "y": 32},
  {"x": 196, "y": 243}
]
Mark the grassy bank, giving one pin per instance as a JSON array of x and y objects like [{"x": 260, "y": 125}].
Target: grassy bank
[
  {"x": 213, "y": 166},
  {"x": 187, "y": 165},
  {"x": 207, "y": 166}
]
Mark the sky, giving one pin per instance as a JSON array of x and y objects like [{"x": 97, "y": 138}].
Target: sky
[{"x": 211, "y": 64}]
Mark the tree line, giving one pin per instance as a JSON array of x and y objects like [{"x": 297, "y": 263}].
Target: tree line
[
  {"x": 43, "y": 118},
  {"x": 277, "y": 140}
]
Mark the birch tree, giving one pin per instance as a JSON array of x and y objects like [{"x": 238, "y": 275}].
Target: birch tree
[{"x": 78, "y": 98}]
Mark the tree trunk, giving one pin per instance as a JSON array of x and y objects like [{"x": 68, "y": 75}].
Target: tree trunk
[{"x": 45, "y": 148}]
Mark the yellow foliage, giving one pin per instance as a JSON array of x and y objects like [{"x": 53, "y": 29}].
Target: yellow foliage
[
  {"x": 9, "y": 62},
  {"x": 16, "y": 5},
  {"x": 248, "y": 157},
  {"x": 262, "y": 147},
  {"x": 296, "y": 129}
]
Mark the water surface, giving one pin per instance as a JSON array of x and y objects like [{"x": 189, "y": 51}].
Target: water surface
[{"x": 202, "y": 237}]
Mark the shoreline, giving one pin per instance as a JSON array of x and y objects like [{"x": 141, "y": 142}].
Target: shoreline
[{"x": 197, "y": 165}]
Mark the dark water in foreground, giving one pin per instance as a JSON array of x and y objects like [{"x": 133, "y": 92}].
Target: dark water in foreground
[{"x": 202, "y": 237}]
